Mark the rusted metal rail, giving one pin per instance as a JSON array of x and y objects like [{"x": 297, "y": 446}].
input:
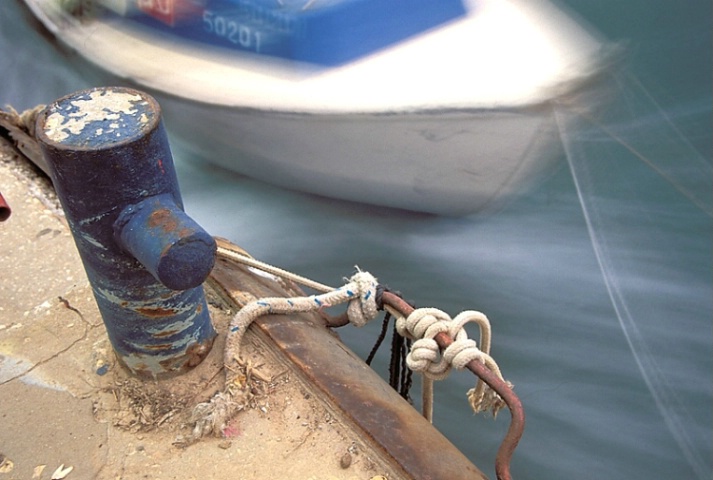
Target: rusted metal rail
[
  {"x": 393, "y": 429},
  {"x": 517, "y": 422}
]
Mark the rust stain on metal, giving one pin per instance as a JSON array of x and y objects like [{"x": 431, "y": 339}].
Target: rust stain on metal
[
  {"x": 162, "y": 218},
  {"x": 392, "y": 426},
  {"x": 156, "y": 312},
  {"x": 197, "y": 352},
  {"x": 140, "y": 370},
  {"x": 166, "y": 333},
  {"x": 159, "y": 347},
  {"x": 371, "y": 404},
  {"x": 194, "y": 355}
]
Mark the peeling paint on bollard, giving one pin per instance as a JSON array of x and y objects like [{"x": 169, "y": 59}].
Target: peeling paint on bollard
[
  {"x": 146, "y": 260},
  {"x": 175, "y": 249}
]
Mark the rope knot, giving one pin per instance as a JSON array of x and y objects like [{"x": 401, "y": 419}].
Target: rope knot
[
  {"x": 426, "y": 357},
  {"x": 362, "y": 307},
  {"x": 423, "y": 325},
  {"x": 423, "y": 322}
]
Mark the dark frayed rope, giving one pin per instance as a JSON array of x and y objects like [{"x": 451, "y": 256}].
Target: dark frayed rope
[{"x": 400, "y": 376}]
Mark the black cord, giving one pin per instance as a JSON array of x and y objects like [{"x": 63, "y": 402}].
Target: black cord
[
  {"x": 395, "y": 360},
  {"x": 406, "y": 373},
  {"x": 380, "y": 339},
  {"x": 400, "y": 376}
]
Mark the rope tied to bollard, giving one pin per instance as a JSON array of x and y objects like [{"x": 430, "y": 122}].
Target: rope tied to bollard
[
  {"x": 441, "y": 343},
  {"x": 360, "y": 292}
]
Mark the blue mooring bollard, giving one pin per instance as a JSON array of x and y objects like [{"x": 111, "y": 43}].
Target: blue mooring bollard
[{"x": 146, "y": 260}]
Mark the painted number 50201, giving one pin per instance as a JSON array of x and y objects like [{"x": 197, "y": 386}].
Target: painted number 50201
[{"x": 232, "y": 31}]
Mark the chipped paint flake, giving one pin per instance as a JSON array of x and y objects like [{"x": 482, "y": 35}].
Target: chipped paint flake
[{"x": 102, "y": 106}]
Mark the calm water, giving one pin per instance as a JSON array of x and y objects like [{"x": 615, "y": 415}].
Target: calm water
[{"x": 598, "y": 284}]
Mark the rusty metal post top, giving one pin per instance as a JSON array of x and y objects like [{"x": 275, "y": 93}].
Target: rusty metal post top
[{"x": 98, "y": 118}]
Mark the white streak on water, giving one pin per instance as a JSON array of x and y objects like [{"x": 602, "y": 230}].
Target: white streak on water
[{"x": 668, "y": 401}]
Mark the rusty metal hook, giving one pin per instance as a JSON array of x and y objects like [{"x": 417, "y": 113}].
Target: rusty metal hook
[{"x": 517, "y": 413}]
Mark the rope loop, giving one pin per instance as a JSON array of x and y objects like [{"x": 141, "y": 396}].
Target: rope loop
[
  {"x": 424, "y": 324},
  {"x": 362, "y": 307},
  {"x": 473, "y": 316},
  {"x": 364, "y": 297},
  {"x": 425, "y": 357},
  {"x": 461, "y": 352}
]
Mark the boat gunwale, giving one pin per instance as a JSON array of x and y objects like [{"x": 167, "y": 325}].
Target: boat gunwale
[{"x": 73, "y": 35}]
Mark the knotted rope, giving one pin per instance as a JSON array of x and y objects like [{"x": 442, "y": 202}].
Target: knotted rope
[
  {"x": 361, "y": 295},
  {"x": 213, "y": 416},
  {"x": 423, "y": 325},
  {"x": 360, "y": 292}
]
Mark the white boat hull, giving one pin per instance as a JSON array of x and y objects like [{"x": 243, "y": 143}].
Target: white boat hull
[
  {"x": 449, "y": 163},
  {"x": 407, "y": 127}
]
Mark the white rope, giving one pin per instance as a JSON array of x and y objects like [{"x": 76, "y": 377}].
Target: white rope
[
  {"x": 245, "y": 259},
  {"x": 213, "y": 416},
  {"x": 423, "y": 325},
  {"x": 360, "y": 293}
]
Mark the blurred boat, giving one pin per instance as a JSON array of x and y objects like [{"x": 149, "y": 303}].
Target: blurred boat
[{"x": 450, "y": 119}]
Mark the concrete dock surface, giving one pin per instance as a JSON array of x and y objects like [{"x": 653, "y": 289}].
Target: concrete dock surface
[
  {"x": 68, "y": 410},
  {"x": 64, "y": 401}
]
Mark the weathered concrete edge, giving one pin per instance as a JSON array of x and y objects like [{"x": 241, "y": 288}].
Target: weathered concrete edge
[{"x": 395, "y": 430}]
